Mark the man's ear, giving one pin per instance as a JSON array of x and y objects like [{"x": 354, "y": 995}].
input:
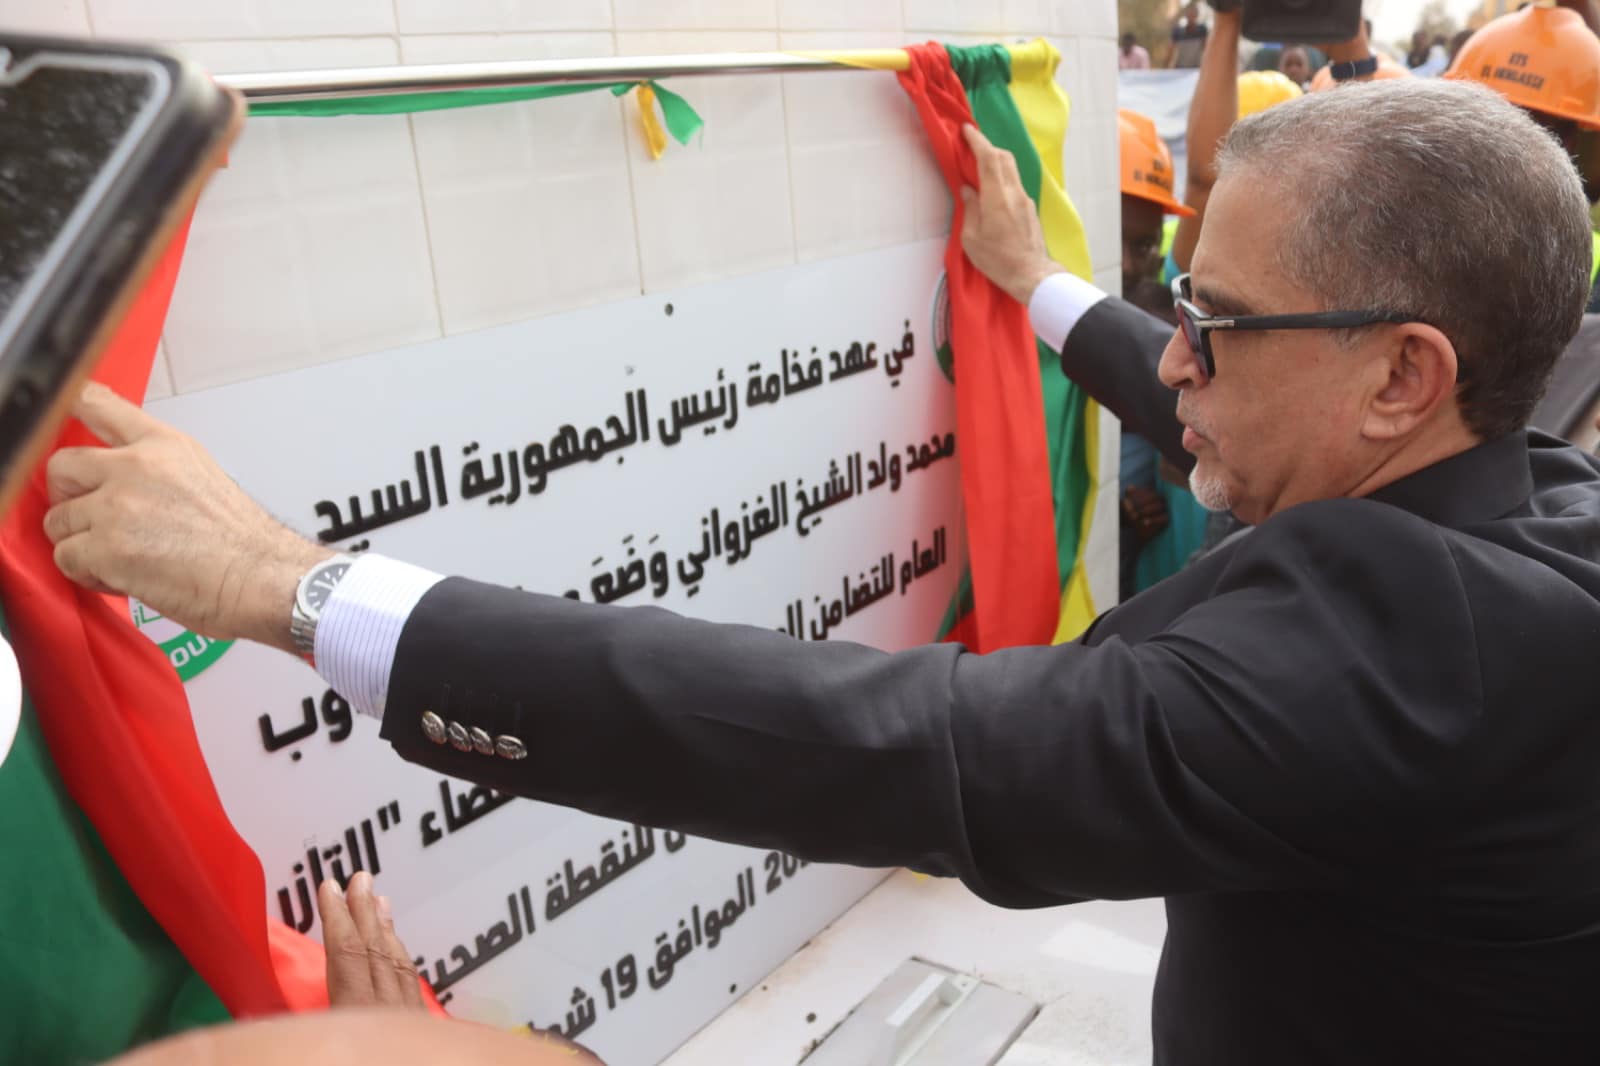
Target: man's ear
[{"x": 1414, "y": 374}]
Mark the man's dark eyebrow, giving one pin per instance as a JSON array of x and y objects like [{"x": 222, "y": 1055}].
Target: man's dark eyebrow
[{"x": 1220, "y": 303}]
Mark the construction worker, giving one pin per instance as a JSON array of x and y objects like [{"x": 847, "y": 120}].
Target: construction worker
[
  {"x": 1546, "y": 60},
  {"x": 1357, "y": 60},
  {"x": 1543, "y": 59},
  {"x": 1147, "y": 197},
  {"x": 1382, "y": 68}
]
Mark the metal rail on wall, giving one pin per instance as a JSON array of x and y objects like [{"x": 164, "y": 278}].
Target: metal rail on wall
[{"x": 286, "y": 86}]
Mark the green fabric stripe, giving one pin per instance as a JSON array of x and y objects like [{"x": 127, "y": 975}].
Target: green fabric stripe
[
  {"x": 680, "y": 119},
  {"x": 85, "y": 972},
  {"x": 985, "y": 71}
]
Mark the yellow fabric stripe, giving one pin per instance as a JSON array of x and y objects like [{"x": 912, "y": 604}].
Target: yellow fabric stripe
[
  {"x": 1077, "y": 604},
  {"x": 655, "y": 138},
  {"x": 1045, "y": 109}
]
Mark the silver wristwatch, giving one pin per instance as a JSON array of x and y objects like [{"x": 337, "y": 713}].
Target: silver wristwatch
[{"x": 309, "y": 599}]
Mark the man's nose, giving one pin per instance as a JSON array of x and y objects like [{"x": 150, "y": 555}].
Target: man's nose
[{"x": 1180, "y": 366}]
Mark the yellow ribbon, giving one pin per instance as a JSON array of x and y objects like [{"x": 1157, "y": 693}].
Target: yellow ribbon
[{"x": 655, "y": 138}]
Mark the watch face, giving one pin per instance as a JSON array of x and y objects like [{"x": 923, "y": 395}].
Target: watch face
[{"x": 319, "y": 585}]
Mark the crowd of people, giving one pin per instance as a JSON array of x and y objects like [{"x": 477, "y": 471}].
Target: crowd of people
[
  {"x": 1343, "y": 722},
  {"x": 1428, "y": 55}
]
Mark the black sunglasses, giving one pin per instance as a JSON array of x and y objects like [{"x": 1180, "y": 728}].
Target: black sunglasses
[{"x": 1197, "y": 325}]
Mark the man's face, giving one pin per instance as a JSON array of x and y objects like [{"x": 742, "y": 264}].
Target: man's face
[
  {"x": 1141, "y": 241},
  {"x": 1295, "y": 66},
  {"x": 1191, "y": 14},
  {"x": 1280, "y": 422}
]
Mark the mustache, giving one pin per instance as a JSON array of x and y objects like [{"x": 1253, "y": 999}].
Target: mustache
[{"x": 1191, "y": 418}]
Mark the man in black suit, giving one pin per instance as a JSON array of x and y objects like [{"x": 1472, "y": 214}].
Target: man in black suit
[{"x": 1355, "y": 747}]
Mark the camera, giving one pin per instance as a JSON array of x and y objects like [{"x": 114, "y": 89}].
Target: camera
[{"x": 1300, "y": 21}]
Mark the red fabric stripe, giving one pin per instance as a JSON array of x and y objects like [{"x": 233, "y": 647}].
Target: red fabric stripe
[
  {"x": 117, "y": 722},
  {"x": 118, "y": 725},
  {"x": 1005, "y": 458}
]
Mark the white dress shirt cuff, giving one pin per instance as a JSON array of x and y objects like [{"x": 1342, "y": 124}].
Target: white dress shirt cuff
[
  {"x": 1057, "y": 304},
  {"x": 359, "y": 629}
]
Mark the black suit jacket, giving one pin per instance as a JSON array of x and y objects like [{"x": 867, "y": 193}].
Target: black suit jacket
[
  {"x": 1574, "y": 384},
  {"x": 1357, "y": 750}
]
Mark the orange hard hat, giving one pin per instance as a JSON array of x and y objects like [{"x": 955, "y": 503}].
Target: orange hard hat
[
  {"x": 1147, "y": 170},
  {"x": 1540, "y": 58}
]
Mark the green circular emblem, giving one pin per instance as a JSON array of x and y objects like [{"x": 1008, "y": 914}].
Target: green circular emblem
[{"x": 189, "y": 653}]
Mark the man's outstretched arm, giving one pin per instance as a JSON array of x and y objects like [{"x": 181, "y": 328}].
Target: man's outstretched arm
[{"x": 1038, "y": 775}]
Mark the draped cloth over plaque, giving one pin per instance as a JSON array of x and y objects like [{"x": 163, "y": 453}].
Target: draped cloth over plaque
[
  {"x": 114, "y": 716},
  {"x": 161, "y": 870},
  {"x": 1027, "y": 433}
]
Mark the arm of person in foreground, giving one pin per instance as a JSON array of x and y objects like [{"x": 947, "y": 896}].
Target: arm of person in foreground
[
  {"x": 1211, "y": 115},
  {"x": 1109, "y": 347},
  {"x": 389, "y": 1036},
  {"x": 1172, "y": 763}
]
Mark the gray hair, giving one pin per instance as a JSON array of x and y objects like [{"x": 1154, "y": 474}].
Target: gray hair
[{"x": 1440, "y": 200}]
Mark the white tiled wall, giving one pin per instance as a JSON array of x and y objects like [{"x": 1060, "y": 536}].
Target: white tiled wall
[
  {"x": 501, "y": 16},
  {"x": 326, "y": 238},
  {"x": 504, "y": 185},
  {"x": 722, "y": 207},
  {"x": 861, "y": 174}
]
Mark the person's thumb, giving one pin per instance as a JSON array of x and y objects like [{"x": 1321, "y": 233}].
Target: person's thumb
[{"x": 969, "y": 195}]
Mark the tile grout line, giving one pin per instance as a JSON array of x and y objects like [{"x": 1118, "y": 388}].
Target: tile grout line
[
  {"x": 163, "y": 359},
  {"x": 627, "y": 156},
  {"x": 163, "y": 356},
  {"x": 788, "y": 161},
  {"x": 422, "y": 190},
  {"x": 427, "y": 224}
]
